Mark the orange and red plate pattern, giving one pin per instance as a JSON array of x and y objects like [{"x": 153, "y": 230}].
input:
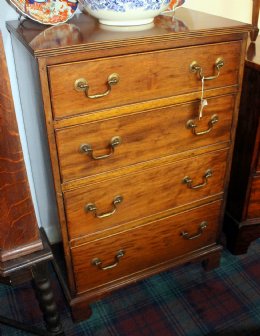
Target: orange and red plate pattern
[{"x": 47, "y": 11}]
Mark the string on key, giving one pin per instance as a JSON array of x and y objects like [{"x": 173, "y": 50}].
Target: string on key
[{"x": 203, "y": 101}]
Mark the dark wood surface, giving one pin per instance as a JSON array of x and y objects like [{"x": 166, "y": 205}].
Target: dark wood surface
[
  {"x": 19, "y": 232},
  {"x": 254, "y": 199},
  {"x": 255, "y": 16},
  {"x": 18, "y": 265},
  {"x": 242, "y": 223},
  {"x": 83, "y": 32},
  {"x": 154, "y": 81},
  {"x": 253, "y": 55},
  {"x": 152, "y": 186},
  {"x": 137, "y": 149},
  {"x": 34, "y": 267},
  {"x": 163, "y": 243},
  {"x": 138, "y": 194}
]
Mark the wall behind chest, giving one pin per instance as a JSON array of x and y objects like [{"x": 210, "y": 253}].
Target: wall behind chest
[{"x": 239, "y": 10}]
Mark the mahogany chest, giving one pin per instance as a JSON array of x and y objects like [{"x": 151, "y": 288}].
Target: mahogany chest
[{"x": 140, "y": 127}]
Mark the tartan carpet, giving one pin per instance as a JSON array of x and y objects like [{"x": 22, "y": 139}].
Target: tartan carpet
[{"x": 185, "y": 301}]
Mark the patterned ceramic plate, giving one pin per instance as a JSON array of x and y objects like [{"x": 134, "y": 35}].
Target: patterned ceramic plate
[
  {"x": 49, "y": 12},
  {"x": 175, "y": 3}
]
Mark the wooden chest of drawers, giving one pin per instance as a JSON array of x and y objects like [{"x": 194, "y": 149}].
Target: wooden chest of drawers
[
  {"x": 140, "y": 179},
  {"x": 242, "y": 220}
]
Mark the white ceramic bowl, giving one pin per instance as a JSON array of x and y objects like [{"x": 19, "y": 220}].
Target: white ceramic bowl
[{"x": 128, "y": 12}]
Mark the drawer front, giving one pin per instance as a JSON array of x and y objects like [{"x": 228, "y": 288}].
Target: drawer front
[
  {"x": 144, "y": 194},
  {"x": 144, "y": 136},
  {"x": 254, "y": 199},
  {"x": 145, "y": 246},
  {"x": 142, "y": 77}
]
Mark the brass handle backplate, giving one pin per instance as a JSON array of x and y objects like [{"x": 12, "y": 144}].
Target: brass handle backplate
[
  {"x": 203, "y": 225},
  {"x": 87, "y": 149},
  {"x": 98, "y": 263},
  {"x": 187, "y": 180},
  {"x": 196, "y": 68},
  {"x": 82, "y": 85},
  {"x": 192, "y": 125},
  {"x": 91, "y": 207}
]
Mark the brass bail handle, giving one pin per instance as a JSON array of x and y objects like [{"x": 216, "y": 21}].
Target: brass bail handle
[
  {"x": 192, "y": 125},
  {"x": 98, "y": 263},
  {"x": 82, "y": 85},
  {"x": 196, "y": 68},
  {"x": 187, "y": 180},
  {"x": 87, "y": 149},
  {"x": 91, "y": 207},
  {"x": 203, "y": 225}
]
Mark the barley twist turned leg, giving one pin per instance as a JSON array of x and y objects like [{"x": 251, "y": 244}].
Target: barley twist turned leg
[{"x": 45, "y": 298}]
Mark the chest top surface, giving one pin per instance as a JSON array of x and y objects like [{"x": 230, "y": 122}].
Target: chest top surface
[{"x": 84, "y": 33}]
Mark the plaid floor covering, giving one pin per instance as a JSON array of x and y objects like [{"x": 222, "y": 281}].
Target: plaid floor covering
[{"x": 185, "y": 301}]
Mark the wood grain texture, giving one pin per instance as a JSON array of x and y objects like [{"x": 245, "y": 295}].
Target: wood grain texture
[
  {"x": 88, "y": 35},
  {"x": 255, "y": 16},
  {"x": 254, "y": 199},
  {"x": 148, "y": 108},
  {"x": 253, "y": 55},
  {"x": 142, "y": 139},
  {"x": 145, "y": 246},
  {"x": 19, "y": 232},
  {"x": 153, "y": 76},
  {"x": 145, "y": 193}
]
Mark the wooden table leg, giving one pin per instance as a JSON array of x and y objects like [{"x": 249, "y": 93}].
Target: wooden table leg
[{"x": 45, "y": 297}]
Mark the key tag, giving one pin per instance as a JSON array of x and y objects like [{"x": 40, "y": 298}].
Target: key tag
[{"x": 203, "y": 101}]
